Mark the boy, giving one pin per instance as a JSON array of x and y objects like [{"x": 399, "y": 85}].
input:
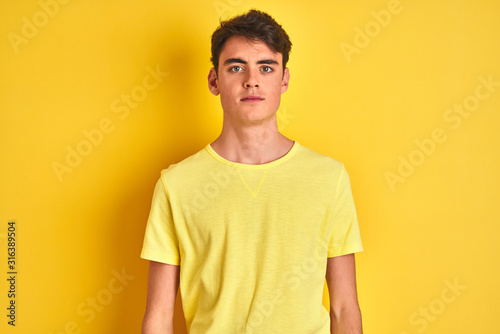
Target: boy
[{"x": 252, "y": 224}]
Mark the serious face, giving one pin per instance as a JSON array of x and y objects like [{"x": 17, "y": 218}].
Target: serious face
[{"x": 250, "y": 81}]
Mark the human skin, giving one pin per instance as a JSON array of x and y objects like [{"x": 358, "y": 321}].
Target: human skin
[{"x": 250, "y": 69}]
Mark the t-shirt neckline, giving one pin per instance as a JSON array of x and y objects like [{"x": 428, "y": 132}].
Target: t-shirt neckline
[{"x": 278, "y": 161}]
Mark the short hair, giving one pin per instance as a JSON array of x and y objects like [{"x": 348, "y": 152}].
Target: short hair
[{"x": 254, "y": 25}]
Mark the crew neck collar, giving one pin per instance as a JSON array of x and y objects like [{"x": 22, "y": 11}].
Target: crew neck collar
[{"x": 278, "y": 161}]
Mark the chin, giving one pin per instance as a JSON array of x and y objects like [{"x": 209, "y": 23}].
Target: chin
[{"x": 256, "y": 118}]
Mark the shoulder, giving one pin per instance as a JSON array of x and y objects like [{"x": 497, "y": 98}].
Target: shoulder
[
  {"x": 186, "y": 170},
  {"x": 319, "y": 161}
]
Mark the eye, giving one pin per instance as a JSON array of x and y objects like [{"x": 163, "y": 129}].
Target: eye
[
  {"x": 267, "y": 69},
  {"x": 235, "y": 68}
]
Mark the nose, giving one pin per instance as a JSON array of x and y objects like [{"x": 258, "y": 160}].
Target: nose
[{"x": 251, "y": 80}]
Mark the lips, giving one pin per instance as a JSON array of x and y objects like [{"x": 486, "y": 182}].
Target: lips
[{"x": 252, "y": 98}]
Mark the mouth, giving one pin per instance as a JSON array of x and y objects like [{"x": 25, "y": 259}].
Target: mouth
[{"x": 252, "y": 98}]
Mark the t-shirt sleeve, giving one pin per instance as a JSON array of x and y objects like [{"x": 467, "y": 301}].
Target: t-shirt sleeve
[
  {"x": 345, "y": 237},
  {"x": 160, "y": 239}
]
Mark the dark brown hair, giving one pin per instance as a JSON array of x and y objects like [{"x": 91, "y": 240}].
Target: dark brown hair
[{"x": 256, "y": 26}]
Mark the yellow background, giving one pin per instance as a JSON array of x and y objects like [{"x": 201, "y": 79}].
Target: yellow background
[{"x": 366, "y": 109}]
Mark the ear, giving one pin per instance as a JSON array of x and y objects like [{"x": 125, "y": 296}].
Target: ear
[
  {"x": 285, "y": 80},
  {"x": 213, "y": 82}
]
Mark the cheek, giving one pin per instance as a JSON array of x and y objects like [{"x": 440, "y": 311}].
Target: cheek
[
  {"x": 231, "y": 87},
  {"x": 225, "y": 94},
  {"x": 276, "y": 102},
  {"x": 276, "y": 94},
  {"x": 227, "y": 97}
]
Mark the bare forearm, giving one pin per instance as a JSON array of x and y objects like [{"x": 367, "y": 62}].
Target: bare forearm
[
  {"x": 347, "y": 321},
  {"x": 151, "y": 326}
]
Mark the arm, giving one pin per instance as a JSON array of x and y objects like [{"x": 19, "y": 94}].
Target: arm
[
  {"x": 163, "y": 281},
  {"x": 344, "y": 309}
]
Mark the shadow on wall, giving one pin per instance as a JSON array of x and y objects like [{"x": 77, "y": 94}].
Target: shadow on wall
[{"x": 181, "y": 114}]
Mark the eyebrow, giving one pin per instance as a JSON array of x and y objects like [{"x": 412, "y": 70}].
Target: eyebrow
[{"x": 241, "y": 61}]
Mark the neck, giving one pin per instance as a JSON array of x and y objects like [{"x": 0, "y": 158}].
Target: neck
[{"x": 255, "y": 144}]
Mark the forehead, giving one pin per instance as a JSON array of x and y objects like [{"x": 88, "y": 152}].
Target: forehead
[{"x": 243, "y": 48}]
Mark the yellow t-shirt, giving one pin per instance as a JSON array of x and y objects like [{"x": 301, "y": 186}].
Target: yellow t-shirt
[{"x": 252, "y": 241}]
